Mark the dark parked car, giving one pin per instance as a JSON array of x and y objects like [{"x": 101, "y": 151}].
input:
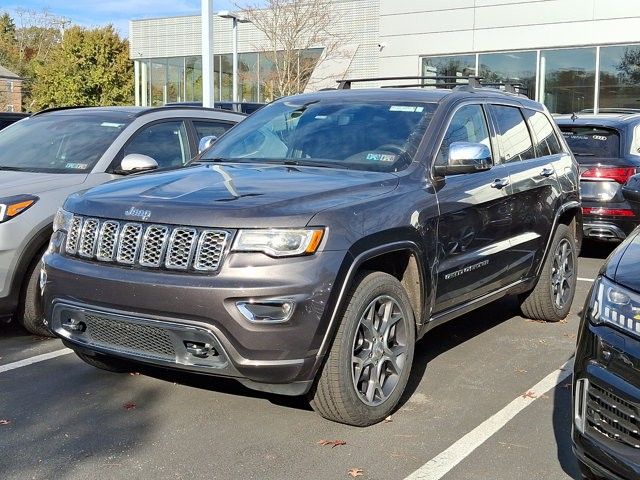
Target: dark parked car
[
  {"x": 606, "y": 376},
  {"x": 57, "y": 152},
  {"x": 607, "y": 147},
  {"x": 7, "y": 118},
  {"x": 240, "y": 107},
  {"x": 309, "y": 248}
]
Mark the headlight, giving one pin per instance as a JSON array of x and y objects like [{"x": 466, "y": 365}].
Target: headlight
[
  {"x": 279, "y": 242},
  {"x": 13, "y": 206},
  {"x": 62, "y": 220},
  {"x": 615, "y": 305}
]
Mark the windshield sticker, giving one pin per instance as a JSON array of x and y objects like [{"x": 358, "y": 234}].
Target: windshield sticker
[
  {"x": 111, "y": 124},
  {"x": 381, "y": 157},
  {"x": 405, "y": 108},
  {"x": 75, "y": 166}
]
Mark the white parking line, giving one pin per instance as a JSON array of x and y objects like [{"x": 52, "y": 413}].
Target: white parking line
[
  {"x": 438, "y": 466},
  {"x": 582, "y": 279},
  {"x": 36, "y": 359}
]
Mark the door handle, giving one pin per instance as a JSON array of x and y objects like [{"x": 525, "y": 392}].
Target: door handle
[
  {"x": 500, "y": 183},
  {"x": 547, "y": 172}
]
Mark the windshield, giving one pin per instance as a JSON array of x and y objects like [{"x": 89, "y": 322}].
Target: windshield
[
  {"x": 58, "y": 143},
  {"x": 592, "y": 141},
  {"x": 373, "y": 136}
]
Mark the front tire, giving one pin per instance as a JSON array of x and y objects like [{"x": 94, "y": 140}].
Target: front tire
[
  {"x": 369, "y": 363},
  {"x": 552, "y": 296},
  {"x": 31, "y": 315}
]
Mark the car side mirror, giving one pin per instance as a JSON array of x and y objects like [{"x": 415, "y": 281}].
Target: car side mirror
[
  {"x": 631, "y": 190},
  {"x": 206, "y": 142},
  {"x": 136, "y": 163},
  {"x": 465, "y": 157}
]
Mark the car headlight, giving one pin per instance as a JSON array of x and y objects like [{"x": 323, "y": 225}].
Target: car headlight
[
  {"x": 62, "y": 220},
  {"x": 278, "y": 242},
  {"x": 615, "y": 305},
  {"x": 13, "y": 206}
]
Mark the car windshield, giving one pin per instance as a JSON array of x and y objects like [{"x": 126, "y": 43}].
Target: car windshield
[
  {"x": 373, "y": 136},
  {"x": 58, "y": 143},
  {"x": 592, "y": 141}
]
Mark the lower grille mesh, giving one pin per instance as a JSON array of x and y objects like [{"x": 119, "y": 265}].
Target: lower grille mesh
[
  {"x": 130, "y": 337},
  {"x": 613, "y": 417}
]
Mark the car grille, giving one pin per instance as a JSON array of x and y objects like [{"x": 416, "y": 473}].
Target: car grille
[
  {"x": 613, "y": 417},
  {"x": 129, "y": 337},
  {"x": 147, "y": 245}
]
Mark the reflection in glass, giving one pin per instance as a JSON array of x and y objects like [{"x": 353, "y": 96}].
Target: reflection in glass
[
  {"x": 449, "y": 66},
  {"x": 515, "y": 67},
  {"x": 620, "y": 76},
  {"x": 568, "y": 79},
  {"x": 158, "y": 81}
]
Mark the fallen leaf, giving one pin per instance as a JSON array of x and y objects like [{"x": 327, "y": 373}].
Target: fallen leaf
[
  {"x": 4, "y": 421},
  {"x": 129, "y": 406},
  {"x": 520, "y": 370},
  {"x": 355, "y": 472},
  {"x": 388, "y": 419},
  {"x": 529, "y": 394},
  {"x": 134, "y": 373},
  {"x": 333, "y": 443}
]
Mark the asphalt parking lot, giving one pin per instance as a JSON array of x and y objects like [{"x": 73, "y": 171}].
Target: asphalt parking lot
[{"x": 61, "y": 418}]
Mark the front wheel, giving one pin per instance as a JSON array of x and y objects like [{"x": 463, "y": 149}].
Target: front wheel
[
  {"x": 31, "y": 315},
  {"x": 552, "y": 296},
  {"x": 368, "y": 366}
]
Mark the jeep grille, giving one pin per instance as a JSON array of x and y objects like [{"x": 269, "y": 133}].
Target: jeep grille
[{"x": 147, "y": 245}]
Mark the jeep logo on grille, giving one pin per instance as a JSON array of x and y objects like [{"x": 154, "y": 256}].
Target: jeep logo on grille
[{"x": 138, "y": 213}]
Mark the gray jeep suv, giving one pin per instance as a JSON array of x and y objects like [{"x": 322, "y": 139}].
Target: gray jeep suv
[
  {"x": 313, "y": 244},
  {"x": 57, "y": 152}
]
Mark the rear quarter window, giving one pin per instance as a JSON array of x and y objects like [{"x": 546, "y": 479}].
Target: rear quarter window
[{"x": 592, "y": 141}]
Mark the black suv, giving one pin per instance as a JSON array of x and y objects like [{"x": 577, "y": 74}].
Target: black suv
[
  {"x": 607, "y": 148},
  {"x": 310, "y": 247}
]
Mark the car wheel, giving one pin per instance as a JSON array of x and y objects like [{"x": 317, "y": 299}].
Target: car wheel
[
  {"x": 552, "y": 296},
  {"x": 31, "y": 315},
  {"x": 104, "y": 363},
  {"x": 368, "y": 366}
]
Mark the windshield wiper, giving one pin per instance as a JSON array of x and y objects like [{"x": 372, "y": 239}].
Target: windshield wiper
[
  {"x": 312, "y": 163},
  {"x": 584, "y": 154}
]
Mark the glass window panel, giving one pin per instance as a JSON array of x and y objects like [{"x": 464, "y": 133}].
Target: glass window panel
[
  {"x": 226, "y": 77},
  {"x": 513, "y": 135},
  {"x": 175, "y": 80},
  {"x": 546, "y": 140},
  {"x": 597, "y": 142},
  {"x": 620, "y": 76},
  {"x": 247, "y": 77},
  {"x": 569, "y": 79},
  {"x": 166, "y": 142},
  {"x": 450, "y": 66},
  {"x": 467, "y": 125},
  {"x": 206, "y": 128},
  {"x": 193, "y": 79},
  {"x": 158, "y": 81},
  {"x": 516, "y": 67}
]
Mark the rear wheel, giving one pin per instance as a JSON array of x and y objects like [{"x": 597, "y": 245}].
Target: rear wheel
[
  {"x": 104, "y": 363},
  {"x": 552, "y": 296},
  {"x": 368, "y": 366},
  {"x": 31, "y": 315}
]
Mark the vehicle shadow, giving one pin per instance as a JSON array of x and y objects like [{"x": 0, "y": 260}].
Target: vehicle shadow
[
  {"x": 596, "y": 249},
  {"x": 562, "y": 422}
]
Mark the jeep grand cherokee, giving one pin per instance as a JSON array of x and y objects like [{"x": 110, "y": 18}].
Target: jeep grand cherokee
[{"x": 313, "y": 244}]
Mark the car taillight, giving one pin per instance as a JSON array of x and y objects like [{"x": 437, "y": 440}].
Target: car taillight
[
  {"x": 617, "y": 174},
  {"x": 608, "y": 212}
]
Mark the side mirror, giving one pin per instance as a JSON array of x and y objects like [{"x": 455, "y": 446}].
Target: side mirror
[
  {"x": 631, "y": 190},
  {"x": 136, "y": 163},
  {"x": 465, "y": 157},
  {"x": 206, "y": 142}
]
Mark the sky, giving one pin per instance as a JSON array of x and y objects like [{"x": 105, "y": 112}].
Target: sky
[{"x": 92, "y": 13}]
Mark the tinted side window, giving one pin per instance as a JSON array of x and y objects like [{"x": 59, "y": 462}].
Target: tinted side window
[
  {"x": 166, "y": 142},
  {"x": 513, "y": 135},
  {"x": 205, "y": 128},
  {"x": 468, "y": 124},
  {"x": 547, "y": 141}
]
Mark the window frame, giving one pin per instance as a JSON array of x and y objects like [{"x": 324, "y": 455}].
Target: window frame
[{"x": 494, "y": 118}]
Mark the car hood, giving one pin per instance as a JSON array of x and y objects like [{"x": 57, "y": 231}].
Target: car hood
[
  {"x": 18, "y": 183},
  {"x": 623, "y": 266},
  {"x": 231, "y": 195}
]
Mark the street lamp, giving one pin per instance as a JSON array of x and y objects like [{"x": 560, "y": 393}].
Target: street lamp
[{"x": 236, "y": 19}]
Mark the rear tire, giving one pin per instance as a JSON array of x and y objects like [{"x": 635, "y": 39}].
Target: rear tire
[
  {"x": 31, "y": 315},
  {"x": 369, "y": 363},
  {"x": 552, "y": 296},
  {"x": 104, "y": 363}
]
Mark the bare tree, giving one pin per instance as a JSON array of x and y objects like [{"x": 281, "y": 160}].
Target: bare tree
[{"x": 292, "y": 30}]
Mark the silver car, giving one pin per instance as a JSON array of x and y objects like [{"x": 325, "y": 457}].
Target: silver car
[{"x": 52, "y": 154}]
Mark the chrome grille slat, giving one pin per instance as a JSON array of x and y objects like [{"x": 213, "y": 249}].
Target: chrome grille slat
[
  {"x": 612, "y": 416},
  {"x": 147, "y": 245}
]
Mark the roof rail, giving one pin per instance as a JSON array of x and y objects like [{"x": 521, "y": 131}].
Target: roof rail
[
  {"x": 440, "y": 81},
  {"x": 56, "y": 109}
]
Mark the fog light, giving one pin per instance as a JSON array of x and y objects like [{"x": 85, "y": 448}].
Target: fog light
[
  {"x": 266, "y": 311},
  {"x": 73, "y": 325}
]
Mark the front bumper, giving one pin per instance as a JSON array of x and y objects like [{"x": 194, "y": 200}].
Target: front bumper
[
  {"x": 608, "y": 442},
  {"x": 199, "y": 309}
]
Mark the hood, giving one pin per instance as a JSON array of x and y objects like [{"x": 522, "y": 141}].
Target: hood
[
  {"x": 19, "y": 183},
  {"x": 231, "y": 195},
  {"x": 623, "y": 266}
]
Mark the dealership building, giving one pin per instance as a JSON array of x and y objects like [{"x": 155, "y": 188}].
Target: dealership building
[{"x": 569, "y": 54}]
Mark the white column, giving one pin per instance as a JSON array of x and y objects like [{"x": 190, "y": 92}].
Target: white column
[
  {"x": 207, "y": 53},
  {"x": 136, "y": 81},
  {"x": 145, "y": 82},
  {"x": 235, "y": 60},
  {"x": 596, "y": 93}
]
